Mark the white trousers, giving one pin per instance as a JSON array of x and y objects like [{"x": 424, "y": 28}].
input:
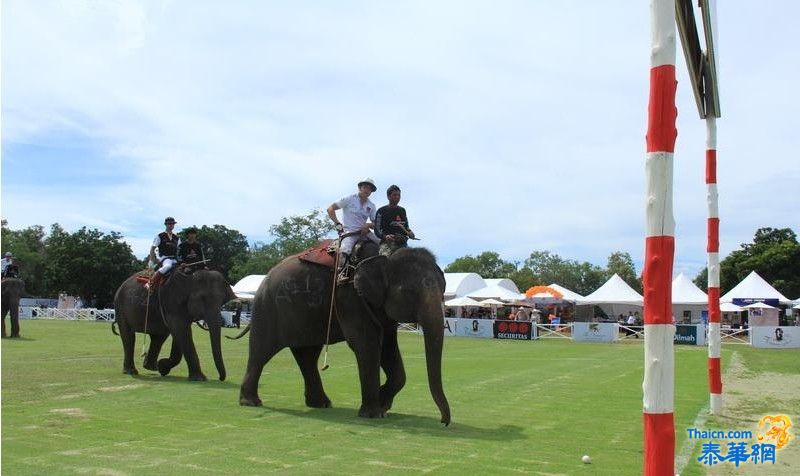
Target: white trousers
[
  {"x": 166, "y": 265},
  {"x": 347, "y": 244}
]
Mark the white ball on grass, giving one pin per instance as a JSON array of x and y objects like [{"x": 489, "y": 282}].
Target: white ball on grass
[{"x": 586, "y": 459}]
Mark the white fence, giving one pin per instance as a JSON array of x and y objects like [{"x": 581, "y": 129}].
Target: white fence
[{"x": 85, "y": 314}]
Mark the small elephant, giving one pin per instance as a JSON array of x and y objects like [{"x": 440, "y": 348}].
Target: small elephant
[
  {"x": 12, "y": 290},
  {"x": 292, "y": 306},
  {"x": 181, "y": 300}
]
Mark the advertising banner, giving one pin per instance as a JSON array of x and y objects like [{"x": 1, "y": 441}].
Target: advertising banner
[
  {"x": 512, "y": 330},
  {"x": 595, "y": 331},
  {"x": 450, "y": 326},
  {"x": 474, "y": 328},
  {"x": 775, "y": 337},
  {"x": 690, "y": 334}
]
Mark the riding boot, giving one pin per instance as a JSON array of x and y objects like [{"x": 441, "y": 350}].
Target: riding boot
[{"x": 345, "y": 269}]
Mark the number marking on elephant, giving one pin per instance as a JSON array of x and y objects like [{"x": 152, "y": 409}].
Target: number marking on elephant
[{"x": 306, "y": 290}]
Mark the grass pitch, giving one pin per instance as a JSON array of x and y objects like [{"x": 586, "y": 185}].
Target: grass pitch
[{"x": 517, "y": 407}]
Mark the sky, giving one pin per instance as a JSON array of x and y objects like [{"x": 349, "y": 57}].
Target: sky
[{"x": 511, "y": 126}]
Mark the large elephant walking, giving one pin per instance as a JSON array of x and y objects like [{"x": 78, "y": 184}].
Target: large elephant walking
[
  {"x": 291, "y": 309},
  {"x": 183, "y": 299},
  {"x": 12, "y": 290}
]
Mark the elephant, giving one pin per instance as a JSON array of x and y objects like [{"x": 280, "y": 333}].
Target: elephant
[
  {"x": 184, "y": 298},
  {"x": 292, "y": 309},
  {"x": 12, "y": 289}
]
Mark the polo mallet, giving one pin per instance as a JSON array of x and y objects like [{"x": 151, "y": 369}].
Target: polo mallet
[
  {"x": 405, "y": 230},
  {"x": 330, "y": 312}
]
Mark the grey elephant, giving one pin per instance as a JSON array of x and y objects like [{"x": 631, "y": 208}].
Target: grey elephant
[
  {"x": 291, "y": 309},
  {"x": 12, "y": 290},
  {"x": 182, "y": 299}
]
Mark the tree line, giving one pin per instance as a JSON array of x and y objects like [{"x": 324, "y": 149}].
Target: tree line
[{"x": 92, "y": 264}]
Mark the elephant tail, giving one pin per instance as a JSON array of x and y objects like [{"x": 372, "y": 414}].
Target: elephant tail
[
  {"x": 241, "y": 334},
  {"x": 114, "y": 327}
]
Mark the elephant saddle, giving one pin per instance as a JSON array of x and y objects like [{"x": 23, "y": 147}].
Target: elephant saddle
[{"x": 323, "y": 253}]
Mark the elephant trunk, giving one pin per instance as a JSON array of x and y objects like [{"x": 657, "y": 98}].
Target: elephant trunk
[
  {"x": 433, "y": 327},
  {"x": 216, "y": 345}
]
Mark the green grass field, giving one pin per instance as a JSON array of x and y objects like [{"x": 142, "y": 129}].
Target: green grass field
[{"x": 524, "y": 407}]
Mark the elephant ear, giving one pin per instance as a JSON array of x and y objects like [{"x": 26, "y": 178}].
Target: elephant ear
[{"x": 370, "y": 280}]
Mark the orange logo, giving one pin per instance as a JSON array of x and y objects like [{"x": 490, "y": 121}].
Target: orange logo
[{"x": 777, "y": 430}]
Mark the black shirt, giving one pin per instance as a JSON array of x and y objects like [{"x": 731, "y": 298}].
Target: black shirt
[
  {"x": 168, "y": 246},
  {"x": 190, "y": 252},
  {"x": 388, "y": 219}
]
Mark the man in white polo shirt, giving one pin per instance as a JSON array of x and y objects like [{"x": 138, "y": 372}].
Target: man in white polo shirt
[{"x": 358, "y": 217}]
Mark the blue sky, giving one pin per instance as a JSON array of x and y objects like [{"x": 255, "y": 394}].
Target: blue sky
[{"x": 511, "y": 126}]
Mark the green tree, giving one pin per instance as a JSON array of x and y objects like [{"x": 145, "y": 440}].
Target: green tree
[
  {"x": 549, "y": 268},
  {"x": 292, "y": 235},
  {"x": 87, "y": 263},
  {"x": 27, "y": 246},
  {"x": 774, "y": 254},
  {"x": 487, "y": 264},
  {"x": 621, "y": 263}
]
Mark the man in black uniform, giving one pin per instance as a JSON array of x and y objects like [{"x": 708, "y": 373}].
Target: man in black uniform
[
  {"x": 391, "y": 223},
  {"x": 190, "y": 251}
]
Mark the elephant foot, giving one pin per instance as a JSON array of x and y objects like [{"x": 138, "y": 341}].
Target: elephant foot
[
  {"x": 318, "y": 402},
  {"x": 164, "y": 367},
  {"x": 249, "y": 401},
  {"x": 365, "y": 412},
  {"x": 150, "y": 365},
  {"x": 15, "y": 336},
  {"x": 197, "y": 378},
  {"x": 130, "y": 371}
]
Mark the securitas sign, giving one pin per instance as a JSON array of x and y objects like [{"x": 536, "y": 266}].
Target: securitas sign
[{"x": 512, "y": 330}]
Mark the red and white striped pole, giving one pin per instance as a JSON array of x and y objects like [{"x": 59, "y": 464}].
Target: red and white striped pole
[
  {"x": 659, "y": 356},
  {"x": 714, "y": 340},
  {"x": 714, "y": 321}
]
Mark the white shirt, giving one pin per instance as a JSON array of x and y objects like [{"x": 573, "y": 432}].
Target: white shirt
[
  {"x": 4, "y": 263},
  {"x": 631, "y": 319},
  {"x": 355, "y": 213}
]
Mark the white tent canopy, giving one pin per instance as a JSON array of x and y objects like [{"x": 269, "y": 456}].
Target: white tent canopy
[
  {"x": 461, "y": 301},
  {"x": 684, "y": 291},
  {"x": 460, "y": 284},
  {"x": 246, "y": 287},
  {"x": 502, "y": 289},
  {"x": 759, "y": 305},
  {"x": 614, "y": 291},
  {"x": 754, "y": 287},
  {"x": 491, "y": 302},
  {"x": 729, "y": 307},
  {"x": 566, "y": 294}
]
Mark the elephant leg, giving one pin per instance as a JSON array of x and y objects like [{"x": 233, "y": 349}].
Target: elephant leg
[
  {"x": 183, "y": 334},
  {"x": 150, "y": 360},
  {"x": 392, "y": 365},
  {"x": 15, "y": 319},
  {"x": 367, "y": 351},
  {"x": 307, "y": 359},
  {"x": 175, "y": 355},
  {"x": 128, "y": 337},
  {"x": 248, "y": 392}
]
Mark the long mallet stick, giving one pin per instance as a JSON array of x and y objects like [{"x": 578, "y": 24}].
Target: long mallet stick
[
  {"x": 330, "y": 313},
  {"x": 405, "y": 230}
]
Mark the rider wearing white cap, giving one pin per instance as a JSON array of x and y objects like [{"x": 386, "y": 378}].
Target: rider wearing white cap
[{"x": 357, "y": 209}]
